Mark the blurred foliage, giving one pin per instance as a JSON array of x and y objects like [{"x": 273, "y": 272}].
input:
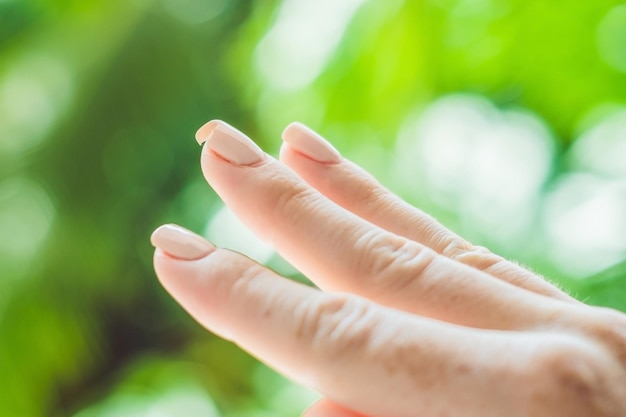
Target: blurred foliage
[{"x": 98, "y": 105}]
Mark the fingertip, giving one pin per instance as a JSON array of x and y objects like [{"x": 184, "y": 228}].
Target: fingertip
[
  {"x": 180, "y": 243},
  {"x": 285, "y": 152},
  {"x": 178, "y": 259},
  {"x": 309, "y": 143},
  {"x": 293, "y": 128},
  {"x": 173, "y": 273},
  {"x": 204, "y": 132}
]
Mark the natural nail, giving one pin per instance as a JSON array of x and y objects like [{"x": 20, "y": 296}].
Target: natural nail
[
  {"x": 310, "y": 144},
  {"x": 180, "y": 242},
  {"x": 229, "y": 143}
]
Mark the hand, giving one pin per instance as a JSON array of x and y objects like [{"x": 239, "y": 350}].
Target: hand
[{"x": 410, "y": 319}]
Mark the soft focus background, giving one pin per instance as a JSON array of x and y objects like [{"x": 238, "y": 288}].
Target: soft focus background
[{"x": 506, "y": 119}]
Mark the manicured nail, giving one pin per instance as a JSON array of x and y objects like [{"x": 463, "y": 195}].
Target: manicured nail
[
  {"x": 229, "y": 143},
  {"x": 180, "y": 242},
  {"x": 310, "y": 144}
]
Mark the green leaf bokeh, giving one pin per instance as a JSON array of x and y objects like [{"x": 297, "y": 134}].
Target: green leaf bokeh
[{"x": 98, "y": 105}]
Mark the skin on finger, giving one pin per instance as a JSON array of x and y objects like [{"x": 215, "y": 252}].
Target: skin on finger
[
  {"x": 326, "y": 408},
  {"x": 357, "y": 191},
  {"x": 338, "y": 344},
  {"x": 340, "y": 251}
]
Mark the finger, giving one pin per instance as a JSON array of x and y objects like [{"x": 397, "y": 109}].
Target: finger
[
  {"x": 327, "y": 408},
  {"x": 365, "y": 357},
  {"x": 342, "y": 252},
  {"x": 315, "y": 160}
]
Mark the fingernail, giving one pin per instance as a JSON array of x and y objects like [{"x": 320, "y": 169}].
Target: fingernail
[
  {"x": 180, "y": 242},
  {"x": 229, "y": 143},
  {"x": 310, "y": 144}
]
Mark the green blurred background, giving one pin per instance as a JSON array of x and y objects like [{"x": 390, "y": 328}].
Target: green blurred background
[{"x": 506, "y": 119}]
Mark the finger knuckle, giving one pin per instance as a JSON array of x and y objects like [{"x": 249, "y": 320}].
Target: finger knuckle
[
  {"x": 290, "y": 198},
  {"x": 455, "y": 246},
  {"x": 243, "y": 285},
  {"x": 609, "y": 330},
  {"x": 371, "y": 195},
  {"x": 335, "y": 326},
  {"x": 475, "y": 256},
  {"x": 391, "y": 263},
  {"x": 574, "y": 378}
]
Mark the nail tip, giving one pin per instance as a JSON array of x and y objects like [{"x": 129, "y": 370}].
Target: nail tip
[
  {"x": 310, "y": 143},
  {"x": 203, "y": 134},
  {"x": 294, "y": 128},
  {"x": 180, "y": 242},
  {"x": 231, "y": 144},
  {"x": 154, "y": 237}
]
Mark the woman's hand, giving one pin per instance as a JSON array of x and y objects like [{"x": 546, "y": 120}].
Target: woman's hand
[{"x": 410, "y": 319}]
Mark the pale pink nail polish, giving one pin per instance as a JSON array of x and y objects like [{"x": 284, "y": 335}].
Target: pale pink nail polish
[
  {"x": 229, "y": 143},
  {"x": 180, "y": 242},
  {"x": 309, "y": 143}
]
